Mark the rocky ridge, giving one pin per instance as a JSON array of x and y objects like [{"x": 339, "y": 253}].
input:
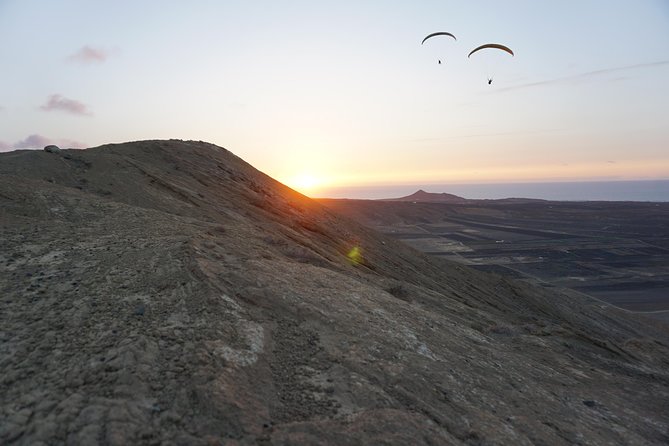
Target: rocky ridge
[{"x": 166, "y": 292}]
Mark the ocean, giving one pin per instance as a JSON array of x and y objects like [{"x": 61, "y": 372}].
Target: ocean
[{"x": 655, "y": 190}]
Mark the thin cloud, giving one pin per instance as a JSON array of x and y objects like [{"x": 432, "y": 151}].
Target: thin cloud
[
  {"x": 511, "y": 133},
  {"x": 36, "y": 141},
  {"x": 483, "y": 134},
  {"x": 581, "y": 76},
  {"x": 57, "y": 102},
  {"x": 87, "y": 55},
  {"x": 4, "y": 146},
  {"x": 33, "y": 142}
]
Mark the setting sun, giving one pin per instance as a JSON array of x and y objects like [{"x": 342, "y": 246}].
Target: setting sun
[{"x": 304, "y": 182}]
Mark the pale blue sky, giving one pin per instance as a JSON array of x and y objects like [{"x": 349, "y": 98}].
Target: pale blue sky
[{"x": 343, "y": 90}]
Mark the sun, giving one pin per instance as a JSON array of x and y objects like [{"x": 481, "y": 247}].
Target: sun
[{"x": 304, "y": 182}]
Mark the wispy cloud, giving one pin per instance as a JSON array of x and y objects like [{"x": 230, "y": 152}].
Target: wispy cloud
[
  {"x": 87, "y": 55},
  {"x": 33, "y": 142},
  {"x": 36, "y": 141},
  {"x": 513, "y": 133},
  {"x": 583, "y": 76},
  {"x": 484, "y": 134},
  {"x": 58, "y": 102},
  {"x": 4, "y": 146}
]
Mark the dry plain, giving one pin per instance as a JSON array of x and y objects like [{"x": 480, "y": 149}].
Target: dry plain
[{"x": 617, "y": 252}]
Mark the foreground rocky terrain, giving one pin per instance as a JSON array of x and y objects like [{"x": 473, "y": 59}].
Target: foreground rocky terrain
[{"x": 165, "y": 292}]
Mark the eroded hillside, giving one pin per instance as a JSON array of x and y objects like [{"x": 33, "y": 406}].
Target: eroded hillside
[{"x": 167, "y": 292}]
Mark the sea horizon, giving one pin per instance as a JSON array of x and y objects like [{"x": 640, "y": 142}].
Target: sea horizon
[{"x": 622, "y": 190}]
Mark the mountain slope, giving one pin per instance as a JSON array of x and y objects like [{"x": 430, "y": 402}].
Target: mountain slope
[{"x": 166, "y": 291}]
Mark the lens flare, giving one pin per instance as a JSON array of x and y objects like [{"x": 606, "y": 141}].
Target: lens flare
[{"x": 355, "y": 255}]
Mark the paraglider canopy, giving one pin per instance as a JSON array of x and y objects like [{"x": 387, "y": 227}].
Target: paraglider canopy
[
  {"x": 441, "y": 33},
  {"x": 495, "y": 46},
  {"x": 491, "y": 45}
]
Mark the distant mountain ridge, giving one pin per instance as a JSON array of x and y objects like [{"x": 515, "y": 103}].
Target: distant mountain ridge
[
  {"x": 420, "y": 196},
  {"x": 431, "y": 197}
]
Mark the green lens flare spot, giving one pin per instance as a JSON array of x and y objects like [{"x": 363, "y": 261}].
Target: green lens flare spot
[{"x": 355, "y": 255}]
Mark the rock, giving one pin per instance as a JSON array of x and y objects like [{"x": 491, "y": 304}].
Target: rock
[
  {"x": 52, "y": 149},
  {"x": 139, "y": 310}
]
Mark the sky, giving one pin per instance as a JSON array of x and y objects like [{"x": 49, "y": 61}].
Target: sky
[{"x": 329, "y": 94}]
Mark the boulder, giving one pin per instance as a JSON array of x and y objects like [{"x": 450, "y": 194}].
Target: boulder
[{"x": 52, "y": 149}]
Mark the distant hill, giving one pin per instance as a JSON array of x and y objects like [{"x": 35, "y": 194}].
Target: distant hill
[
  {"x": 429, "y": 197},
  {"x": 167, "y": 292},
  {"x": 421, "y": 196}
]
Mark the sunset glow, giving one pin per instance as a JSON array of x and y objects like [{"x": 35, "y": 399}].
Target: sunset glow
[{"x": 305, "y": 183}]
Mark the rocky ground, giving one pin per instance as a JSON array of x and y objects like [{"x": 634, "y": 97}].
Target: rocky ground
[{"x": 165, "y": 292}]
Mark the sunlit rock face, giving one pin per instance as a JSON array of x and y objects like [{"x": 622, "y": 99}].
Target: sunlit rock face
[{"x": 167, "y": 292}]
